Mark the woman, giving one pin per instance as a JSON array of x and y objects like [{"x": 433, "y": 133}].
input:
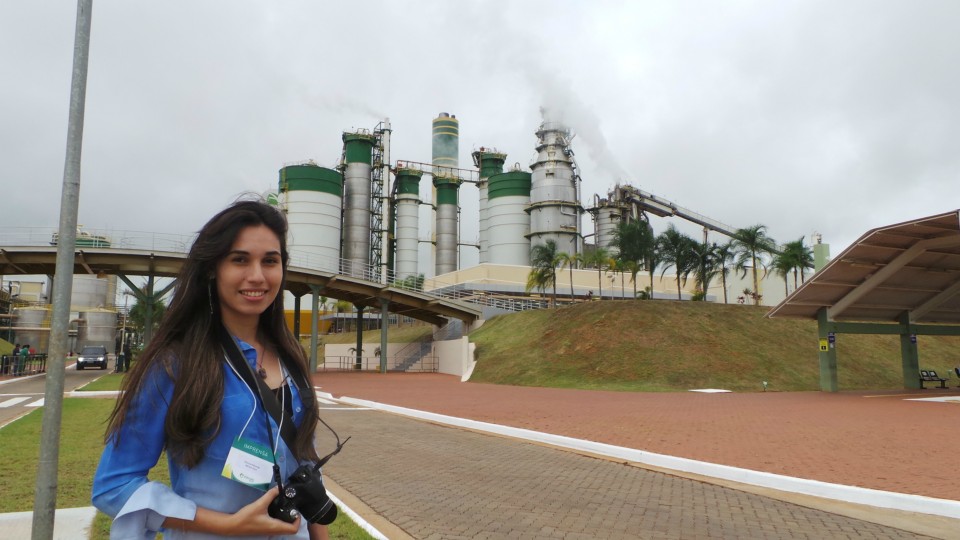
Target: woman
[{"x": 184, "y": 397}]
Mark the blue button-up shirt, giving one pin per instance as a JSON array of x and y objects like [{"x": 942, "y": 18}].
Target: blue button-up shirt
[{"x": 138, "y": 505}]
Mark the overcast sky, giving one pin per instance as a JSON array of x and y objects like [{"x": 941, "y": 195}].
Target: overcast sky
[{"x": 804, "y": 116}]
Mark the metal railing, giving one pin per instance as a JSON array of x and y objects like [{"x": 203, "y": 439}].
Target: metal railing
[
  {"x": 426, "y": 364},
  {"x": 180, "y": 244},
  {"x": 19, "y": 366}
]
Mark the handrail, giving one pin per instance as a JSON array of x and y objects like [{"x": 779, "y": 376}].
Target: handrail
[{"x": 179, "y": 244}]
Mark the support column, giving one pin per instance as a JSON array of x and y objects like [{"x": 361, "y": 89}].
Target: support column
[
  {"x": 359, "y": 361},
  {"x": 909, "y": 354},
  {"x": 314, "y": 324},
  {"x": 828, "y": 354},
  {"x": 384, "y": 323},
  {"x": 148, "y": 317},
  {"x": 296, "y": 316}
]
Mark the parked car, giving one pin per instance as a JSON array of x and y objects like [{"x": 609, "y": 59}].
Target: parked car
[{"x": 93, "y": 355}]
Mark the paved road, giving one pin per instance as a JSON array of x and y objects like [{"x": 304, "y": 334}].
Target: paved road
[
  {"x": 20, "y": 396},
  {"x": 437, "y": 482}
]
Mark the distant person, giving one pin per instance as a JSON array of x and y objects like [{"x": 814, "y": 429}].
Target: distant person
[
  {"x": 127, "y": 354},
  {"x": 24, "y": 354},
  {"x": 14, "y": 359},
  {"x": 183, "y": 398}
]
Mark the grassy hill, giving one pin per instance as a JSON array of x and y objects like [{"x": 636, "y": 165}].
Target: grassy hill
[{"x": 660, "y": 345}]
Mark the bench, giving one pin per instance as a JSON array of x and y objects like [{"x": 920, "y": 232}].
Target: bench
[{"x": 929, "y": 375}]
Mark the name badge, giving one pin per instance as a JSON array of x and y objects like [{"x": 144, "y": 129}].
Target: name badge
[{"x": 249, "y": 463}]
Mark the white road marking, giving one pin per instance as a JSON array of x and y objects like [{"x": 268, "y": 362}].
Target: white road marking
[
  {"x": 12, "y": 401},
  {"x": 37, "y": 403}
]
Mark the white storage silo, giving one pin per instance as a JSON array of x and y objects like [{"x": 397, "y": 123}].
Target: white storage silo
[
  {"x": 489, "y": 162},
  {"x": 407, "y": 233},
  {"x": 312, "y": 197},
  {"x": 98, "y": 327},
  {"x": 608, "y": 217},
  {"x": 508, "y": 223},
  {"x": 32, "y": 326}
]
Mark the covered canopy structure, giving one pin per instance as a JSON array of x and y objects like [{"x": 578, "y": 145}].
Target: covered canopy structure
[{"x": 900, "y": 279}]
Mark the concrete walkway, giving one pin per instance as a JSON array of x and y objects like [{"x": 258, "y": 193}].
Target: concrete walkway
[
  {"x": 429, "y": 481},
  {"x": 69, "y": 524},
  {"x": 412, "y": 478}
]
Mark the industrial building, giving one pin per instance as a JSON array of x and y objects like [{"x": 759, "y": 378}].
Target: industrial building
[{"x": 364, "y": 217}]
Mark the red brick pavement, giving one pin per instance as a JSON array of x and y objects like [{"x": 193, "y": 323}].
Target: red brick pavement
[{"x": 875, "y": 440}]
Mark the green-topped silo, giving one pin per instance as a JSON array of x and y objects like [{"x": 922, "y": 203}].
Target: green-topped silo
[
  {"x": 407, "y": 233},
  {"x": 357, "y": 155},
  {"x": 447, "y": 188},
  {"x": 312, "y": 197},
  {"x": 490, "y": 163},
  {"x": 508, "y": 224}
]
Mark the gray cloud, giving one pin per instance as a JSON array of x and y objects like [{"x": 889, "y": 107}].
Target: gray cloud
[{"x": 804, "y": 116}]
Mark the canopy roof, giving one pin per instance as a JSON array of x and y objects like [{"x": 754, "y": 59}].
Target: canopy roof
[{"x": 911, "y": 267}]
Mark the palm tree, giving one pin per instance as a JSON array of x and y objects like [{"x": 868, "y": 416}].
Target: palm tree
[
  {"x": 600, "y": 258},
  {"x": 725, "y": 255},
  {"x": 782, "y": 265},
  {"x": 802, "y": 258},
  {"x": 651, "y": 261},
  {"x": 634, "y": 268},
  {"x": 138, "y": 314},
  {"x": 636, "y": 243},
  {"x": 706, "y": 264},
  {"x": 569, "y": 261},
  {"x": 543, "y": 272},
  {"x": 751, "y": 243},
  {"x": 674, "y": 248}
]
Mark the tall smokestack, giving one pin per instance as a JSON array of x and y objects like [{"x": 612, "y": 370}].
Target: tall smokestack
[{"x": 446, "y": 149}]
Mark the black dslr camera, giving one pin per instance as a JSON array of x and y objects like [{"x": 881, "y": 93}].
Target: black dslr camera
[{"x": 304, "y": 495}]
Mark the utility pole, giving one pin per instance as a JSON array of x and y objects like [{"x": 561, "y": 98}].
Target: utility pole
[{"x": 45, "y": 500}]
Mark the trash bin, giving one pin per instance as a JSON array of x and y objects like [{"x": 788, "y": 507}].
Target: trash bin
[
  {"x": 119, "y": 366},
  {"x": 4, "y": 365}
]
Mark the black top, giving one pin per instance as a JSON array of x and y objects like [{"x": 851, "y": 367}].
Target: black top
[{"x": 285, "y": 397}]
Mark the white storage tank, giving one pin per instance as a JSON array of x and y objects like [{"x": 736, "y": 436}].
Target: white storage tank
[
  {"x": 608, "y": 217},
  {"x": 89, "y": 291},
  {"x": 98, "y": 327},
  {"x": 312, "y": 197},
  {"x": 32, "y": 326},
  {"x": 489, "y": 162},
  {"x": 508, "y": 223},
  {"x": 408, "y": 211}
]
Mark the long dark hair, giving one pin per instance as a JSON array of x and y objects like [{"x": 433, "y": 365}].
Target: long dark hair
[{"x": 186, "y": 346}]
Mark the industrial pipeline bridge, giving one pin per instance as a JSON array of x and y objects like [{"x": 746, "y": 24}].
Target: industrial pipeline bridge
[{"x": 33, "y": 251}]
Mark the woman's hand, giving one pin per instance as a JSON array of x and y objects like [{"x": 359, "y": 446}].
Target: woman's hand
[{"x": 251, "y": 520}]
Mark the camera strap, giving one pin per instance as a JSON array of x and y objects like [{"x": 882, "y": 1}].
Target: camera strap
[{"x": 287, "y": 428}]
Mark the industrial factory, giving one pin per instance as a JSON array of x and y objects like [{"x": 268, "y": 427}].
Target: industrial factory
[
  {"x": 368, "y": 215},
  {"x": 365, "y": 216}
]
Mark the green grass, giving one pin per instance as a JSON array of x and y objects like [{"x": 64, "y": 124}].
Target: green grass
[
  {"x": 103, "y": 384},
  {"x": 660, "y": 345},
  {"x": 81, "y": 442}
]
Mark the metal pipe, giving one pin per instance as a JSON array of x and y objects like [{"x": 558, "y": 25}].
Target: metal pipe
[{"x": 45, "y": 502}]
